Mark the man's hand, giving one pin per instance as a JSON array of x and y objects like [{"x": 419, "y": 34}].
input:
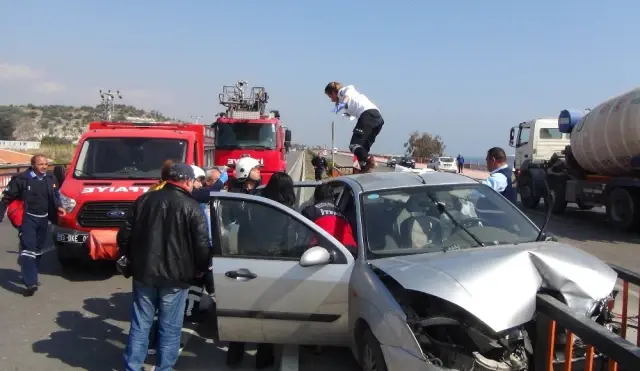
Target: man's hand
[
  {"x": 338, "y": 107},
  {"x": 62, "y": 211}
]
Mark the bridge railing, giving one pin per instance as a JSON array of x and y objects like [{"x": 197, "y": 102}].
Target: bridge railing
[
  {"x": 604, "y": 348},
  {"x": 7, "y": 171}
]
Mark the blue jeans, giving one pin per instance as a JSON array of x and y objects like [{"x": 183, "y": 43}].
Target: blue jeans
[{"x": 170, "y": 303}]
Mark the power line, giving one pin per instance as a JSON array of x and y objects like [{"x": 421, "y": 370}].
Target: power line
[{"x": 108, "y": 100}]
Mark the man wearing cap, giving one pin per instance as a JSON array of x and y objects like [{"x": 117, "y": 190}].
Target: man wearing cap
[{"x": 163, "y": 264}]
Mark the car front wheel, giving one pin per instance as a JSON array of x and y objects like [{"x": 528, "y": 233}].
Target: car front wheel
[{"x": 371, "y": 357}]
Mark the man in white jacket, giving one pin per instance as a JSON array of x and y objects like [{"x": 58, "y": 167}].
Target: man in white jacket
[{"x": 369, "y": 120}]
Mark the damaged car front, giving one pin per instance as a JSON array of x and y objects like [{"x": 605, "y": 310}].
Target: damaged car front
[{"x": 465, "y": 266}]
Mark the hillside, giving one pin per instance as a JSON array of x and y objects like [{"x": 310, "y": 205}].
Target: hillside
[{"x": 65, "y": 123}]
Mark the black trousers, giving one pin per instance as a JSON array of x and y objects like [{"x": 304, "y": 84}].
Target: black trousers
[
  {"x": 364, "y": 134},
  {"x": 319, "y": 172}
]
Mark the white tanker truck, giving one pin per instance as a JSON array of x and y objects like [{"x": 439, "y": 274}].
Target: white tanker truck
[{"x": 600, "y": 166}]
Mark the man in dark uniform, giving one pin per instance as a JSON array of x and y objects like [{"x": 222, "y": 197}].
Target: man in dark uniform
[
  {"x": 500, "y": 177},
  {"x": 40, "y": 194},
  {"x": 319, "y": 165}
]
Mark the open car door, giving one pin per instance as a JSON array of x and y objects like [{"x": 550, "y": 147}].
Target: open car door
[{"x": 267, "y": 288}]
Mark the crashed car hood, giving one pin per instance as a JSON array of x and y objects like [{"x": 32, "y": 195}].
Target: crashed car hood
[{"x": 499, "y": 284}]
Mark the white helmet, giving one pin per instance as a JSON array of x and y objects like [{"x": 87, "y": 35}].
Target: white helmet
[
  {"x": 244, "y": 166},
  {"x": 197, "y": 170}
]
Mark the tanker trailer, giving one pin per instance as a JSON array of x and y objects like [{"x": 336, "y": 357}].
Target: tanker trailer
[{"x": 599, "y": 167}]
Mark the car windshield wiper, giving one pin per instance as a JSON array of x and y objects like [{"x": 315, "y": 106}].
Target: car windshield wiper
[{"x": 443, "y": 210}]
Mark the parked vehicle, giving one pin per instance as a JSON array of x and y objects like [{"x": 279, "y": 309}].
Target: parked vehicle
[
  {"x": 407, "y": 161},
  {"x": 408, "y": 300},
  {"x": 246, "y": 129},
  {"x": 597, "y": 166},
  {"x": 443, "y": 164},
  {"x": 392, "y": 161},
  {"x": 114, "y": 163}
]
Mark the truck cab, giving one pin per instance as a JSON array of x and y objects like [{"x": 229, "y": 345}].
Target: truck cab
[
  {"x": 536, "y": 141},
  {"x": 246, "y": 128},
  {"x": 115, "y": 163}
]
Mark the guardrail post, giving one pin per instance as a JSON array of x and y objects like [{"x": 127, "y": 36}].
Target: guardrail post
[{"x": 544, "y": 343}]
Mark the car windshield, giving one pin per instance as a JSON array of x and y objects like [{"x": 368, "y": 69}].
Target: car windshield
[
  {"x": 246, "y": 135},
  {"x": 127, "y": 158},
  {"x": 440, "y": 218},
  {"x": 446, "y": 159}
]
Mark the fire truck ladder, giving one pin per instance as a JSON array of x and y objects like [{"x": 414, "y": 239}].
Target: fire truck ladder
[{"x": 240, "y": 106}]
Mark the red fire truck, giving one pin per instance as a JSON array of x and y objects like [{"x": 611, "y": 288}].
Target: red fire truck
[
  {"x": 114, "y": 163},
  {"x": 247, "y": 129}
]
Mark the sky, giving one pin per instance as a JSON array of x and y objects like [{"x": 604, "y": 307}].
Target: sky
[{"x": 465, "y": 70}]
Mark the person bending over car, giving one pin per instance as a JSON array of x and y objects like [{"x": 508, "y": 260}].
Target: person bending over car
[{"x": 328, "y": 216}]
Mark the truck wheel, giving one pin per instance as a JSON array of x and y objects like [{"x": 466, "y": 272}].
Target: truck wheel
[
  {"x": 371, "y": 357},
  {"x": 621, "y": 209},
  {"x": 560, "y": 203},
  {"x": 527, "y": 193}
]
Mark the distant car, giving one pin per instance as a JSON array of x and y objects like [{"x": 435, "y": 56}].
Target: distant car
[
  {"x": 392, "y": 161},
  {"x": 443, "y": 164},
  {"x": 407, "y": 162}
]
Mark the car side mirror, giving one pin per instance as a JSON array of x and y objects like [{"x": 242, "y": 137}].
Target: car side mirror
[{"x": 316, "y": 255}]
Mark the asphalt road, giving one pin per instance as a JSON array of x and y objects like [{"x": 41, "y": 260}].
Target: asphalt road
[{"x": 79, "y": 320}]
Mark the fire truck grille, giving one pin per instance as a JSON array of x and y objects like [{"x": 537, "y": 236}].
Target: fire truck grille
[{"x": 109, "y": 214}]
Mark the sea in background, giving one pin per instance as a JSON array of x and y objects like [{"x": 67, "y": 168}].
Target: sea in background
[{"x": 480, "y": 160}]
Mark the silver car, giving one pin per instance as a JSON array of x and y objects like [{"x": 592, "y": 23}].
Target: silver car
[{"x": 445, "y": 277}]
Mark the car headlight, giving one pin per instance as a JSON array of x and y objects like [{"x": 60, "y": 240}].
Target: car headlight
[{"x": 68, "y": 203}]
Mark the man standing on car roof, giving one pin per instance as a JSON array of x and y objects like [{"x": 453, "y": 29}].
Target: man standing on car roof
[
  {"x": 40, "y": 195},
  {"x": 357, "y": 107}
]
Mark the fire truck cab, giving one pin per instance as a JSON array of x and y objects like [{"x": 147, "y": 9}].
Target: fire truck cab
[
  {"x": 114, "y": 163},
  {"x": 245, "y": 128}
]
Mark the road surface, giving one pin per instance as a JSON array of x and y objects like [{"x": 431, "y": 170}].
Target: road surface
[{"x": 79, "y": 321}]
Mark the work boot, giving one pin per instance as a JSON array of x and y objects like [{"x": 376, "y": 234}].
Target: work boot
[
  {"x": 368, "y": 166},
  {"x": 31, "y": 289}
]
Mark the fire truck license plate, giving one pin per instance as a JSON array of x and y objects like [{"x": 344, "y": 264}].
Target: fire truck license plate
[{"x": 74, "y": 238}]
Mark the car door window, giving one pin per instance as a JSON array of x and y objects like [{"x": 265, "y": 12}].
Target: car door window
[{"x": 253, "y": 229}]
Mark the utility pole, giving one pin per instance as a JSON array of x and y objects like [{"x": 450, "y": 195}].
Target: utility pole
[
  {"x": 333, "y": 142},
  {"x": 108, "y": 102},
  {"x": 196, "y": 119}
]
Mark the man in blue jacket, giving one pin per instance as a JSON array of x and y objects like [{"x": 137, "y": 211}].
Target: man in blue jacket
[{"x": 40, "y": 193}]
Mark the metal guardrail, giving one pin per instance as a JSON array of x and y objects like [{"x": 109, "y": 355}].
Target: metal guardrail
[
  {"x": 619, "y": 353},
  {"x": 8, "y": 171}
]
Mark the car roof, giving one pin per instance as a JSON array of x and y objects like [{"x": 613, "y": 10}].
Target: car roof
[{"x": 389, "y": 180}]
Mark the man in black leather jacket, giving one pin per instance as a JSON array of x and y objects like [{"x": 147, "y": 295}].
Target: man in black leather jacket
[{"x": 166, "y": 241}]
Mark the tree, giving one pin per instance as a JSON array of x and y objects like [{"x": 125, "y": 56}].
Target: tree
[
  {"x": 424, "y": 145},
  {"x": 7, "y": 126}
]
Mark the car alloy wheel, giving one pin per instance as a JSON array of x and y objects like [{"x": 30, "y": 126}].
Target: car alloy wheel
[{"x": 368, "y": 360}]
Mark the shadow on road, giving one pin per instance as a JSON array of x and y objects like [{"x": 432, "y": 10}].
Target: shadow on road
[
  {"x": 88, "y": 341},
  {"x": 79, "y": 272},
  {"x": 11, "y": 280}
]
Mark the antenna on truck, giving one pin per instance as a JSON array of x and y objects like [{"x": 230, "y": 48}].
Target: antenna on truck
[
  {"x": 241, "y": 106},
  {"x": 108, "y": 99}
]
